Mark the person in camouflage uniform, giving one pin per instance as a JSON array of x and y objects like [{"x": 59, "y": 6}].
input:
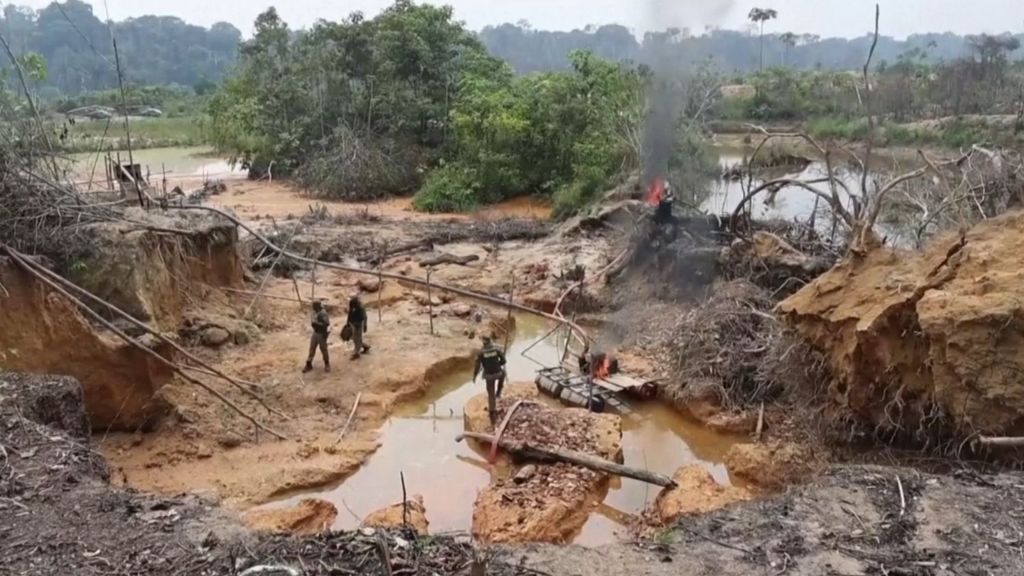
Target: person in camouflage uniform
[
  {"x": 491, "y": 361},
  {"x": 321, "y": 323},
  {"x": 357, "y": 320}
]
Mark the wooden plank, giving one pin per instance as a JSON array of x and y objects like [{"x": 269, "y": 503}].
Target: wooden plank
[{"x": 572, "y": 457}]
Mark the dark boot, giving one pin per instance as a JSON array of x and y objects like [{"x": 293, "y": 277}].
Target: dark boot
[
  {"x": 308, "y": 368},
  {"x": 327, "y": 366},
  {"x": 366, "y": 348},
  {"x": 355, "y": 355}
]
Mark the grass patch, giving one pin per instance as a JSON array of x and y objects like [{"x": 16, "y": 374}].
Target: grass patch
[{"x": 90, "y": 135}]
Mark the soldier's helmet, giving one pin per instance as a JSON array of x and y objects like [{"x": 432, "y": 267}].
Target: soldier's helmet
[{"x": 318, "y": 305}]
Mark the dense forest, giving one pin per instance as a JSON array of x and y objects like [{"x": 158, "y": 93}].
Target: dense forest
[
  {"x": 411, "y": 101},
  {"x": 528, "y": 50},
  {"x": 155, "y": 50}
]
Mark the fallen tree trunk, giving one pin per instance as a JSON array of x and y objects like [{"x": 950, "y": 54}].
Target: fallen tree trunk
[
  {"x": 448, "y": 259},
  {"x": 571, "y": 457}
]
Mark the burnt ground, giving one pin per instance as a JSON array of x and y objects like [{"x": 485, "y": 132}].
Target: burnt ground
[
  {"x": 58, "y": 514},
  {"x": 850, "y": 521}
]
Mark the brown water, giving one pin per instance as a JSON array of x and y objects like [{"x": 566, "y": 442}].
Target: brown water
[{"x": 419, "y": 442}]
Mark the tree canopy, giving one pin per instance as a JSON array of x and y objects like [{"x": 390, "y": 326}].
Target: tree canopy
[
  {"x": 528, "y": 50},
  {"x": 155, "y": 50}
]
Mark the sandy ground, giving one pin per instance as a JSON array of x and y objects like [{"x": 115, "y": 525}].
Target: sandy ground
[{"x": 258, "y": 200}]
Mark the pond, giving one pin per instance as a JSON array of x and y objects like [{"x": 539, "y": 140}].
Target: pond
[{"x": 182, "y": 165}]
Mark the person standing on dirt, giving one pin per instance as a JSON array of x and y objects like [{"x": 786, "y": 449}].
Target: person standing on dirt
[
  {"x": 491, "y": 361},
  {"x": 321, "y": 323},
  {"x": 357, "y": 322}
]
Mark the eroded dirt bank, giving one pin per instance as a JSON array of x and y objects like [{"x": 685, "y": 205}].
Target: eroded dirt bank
[
  {"x": 926, "y": 344},
  {"x": 44, "y": 333}
]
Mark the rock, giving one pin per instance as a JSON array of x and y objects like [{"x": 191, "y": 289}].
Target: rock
[
  {"x": 229, "y": 440},
  {"x": 371, "y": 285},
  {"x": 770, "y": 466},
  {"x": 446, "y": 297},
  {"x": 461, "y": 310},
  {"x": 742, "y": 423},
  {"x": 939, "y": 330},
  {"x": 392, "y": 516},
  {"x": 309, "y": 518},
  {"x": 422, "y": 300},
  {"x": 702, "y": 399},
  {"x": 696, "y": 493},
  {"x": 245, "y": 333},
  {"x": 524, "y": 474},
  {"x": 214, "y": 336}
]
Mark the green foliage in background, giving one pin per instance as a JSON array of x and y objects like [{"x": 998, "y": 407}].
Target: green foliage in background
[
  {"x": 564, "y": 135},
  {"x": 410, "y": 100}
]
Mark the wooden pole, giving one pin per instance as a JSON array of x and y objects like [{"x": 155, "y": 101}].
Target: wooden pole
[
  {"x": 572, "y": 457},
  {"x": 312, "y": 289},
  {"x": 380, "y": 284},
  {"x": 163, "y": 169},
  {"x": 572, "y": 320},
  {"x": 430, "y": 301},
  {"x": 355, "y": 406},
  {"x": 492, "y": 456},
  {"x": 508, "y": 319}
]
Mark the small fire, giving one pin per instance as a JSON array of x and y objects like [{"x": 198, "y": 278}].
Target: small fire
[
  {"x": 603, "y": 367},
  {"x": 656, "y": 191}
]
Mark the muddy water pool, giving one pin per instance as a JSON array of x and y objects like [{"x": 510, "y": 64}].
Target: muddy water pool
[{"x": 419, "y": 442}]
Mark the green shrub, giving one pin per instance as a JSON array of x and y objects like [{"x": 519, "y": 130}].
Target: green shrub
[
  {"x": 450, "y": 188},
  {"x": 580, "y": 193}
]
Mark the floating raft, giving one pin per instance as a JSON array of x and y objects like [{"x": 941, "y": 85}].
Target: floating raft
[{"x": 609, "y": 394}]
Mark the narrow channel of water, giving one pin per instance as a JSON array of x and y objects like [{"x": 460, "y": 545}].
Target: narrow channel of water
[{"x": 419, "y": 441}]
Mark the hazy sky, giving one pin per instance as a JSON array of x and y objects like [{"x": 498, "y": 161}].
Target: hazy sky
[{"x": 823, "y": 17}]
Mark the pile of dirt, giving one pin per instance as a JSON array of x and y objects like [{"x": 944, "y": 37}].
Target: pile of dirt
[
  {"x": 545, "y": 503},
  {"x": 696, "y": 493},
  {"x": 45, "y": 333},
  {"x": 772, "y": 466},
  {"x": 925, "y": 345},
  {"x": 412, "y": 513},
  {"x": 308, "y": 518}
]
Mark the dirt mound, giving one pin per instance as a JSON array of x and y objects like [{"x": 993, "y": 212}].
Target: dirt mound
[
  {"x": 308, "y": 518},
  {"x": 922, "y": 344},
  {"x": 770, "y": 466},
  {"x": 155, "y": 276},
  {"x": 394, "y": 516},
  {"x": 546, "y": 503},
  {"x": 696, "y": 493},
  {"x": 45, "y": 333}
]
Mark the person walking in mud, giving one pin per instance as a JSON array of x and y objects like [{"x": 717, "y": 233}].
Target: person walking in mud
[
  {"x": 491, "y": 361},
  {"x": 357, "y": 324},
  {"x": 321, "y": 323}
]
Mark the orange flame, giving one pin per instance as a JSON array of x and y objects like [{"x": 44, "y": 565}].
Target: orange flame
[
  {"x": 603, "y": 369},
  {"x": 656, "y": 191}
]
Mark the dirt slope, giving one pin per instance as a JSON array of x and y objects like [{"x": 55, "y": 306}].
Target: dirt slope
[
  {"x": 51, "y": 336},
  {"x": 156, "y": 276},
  {"x": 919, "y": 342}
]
